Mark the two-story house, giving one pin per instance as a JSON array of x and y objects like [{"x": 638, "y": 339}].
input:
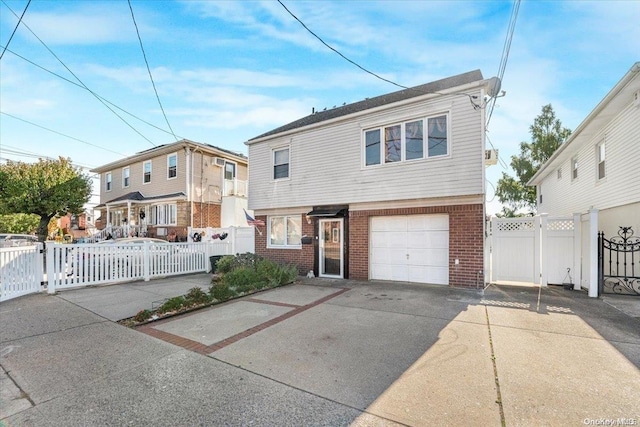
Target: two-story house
[
  {"x": 598, "y": 167},
  {"x": 168, "y": 188},
  {"x": 388, "y": 188}
]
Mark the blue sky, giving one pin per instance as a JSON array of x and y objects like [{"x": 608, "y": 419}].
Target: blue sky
[{"x": 228, "y": 71}]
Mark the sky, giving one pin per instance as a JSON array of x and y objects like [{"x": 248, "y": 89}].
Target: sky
[{"x": 227, "y": 71}]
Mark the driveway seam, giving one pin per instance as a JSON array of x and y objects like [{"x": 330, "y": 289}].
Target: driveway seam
[{"x": 207, "y": 349}]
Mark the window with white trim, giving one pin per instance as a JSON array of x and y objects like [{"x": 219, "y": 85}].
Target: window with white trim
[
  {"x": 600, "y": 155},
  {"x": 574, "y": 168},
  {"x": 164, "y": 214},
  {"x": 108, "y": 178},
  {"x": 146, "y": 172},
  {"x": 414, "y": 139},
  {"x": 229, "y": 170},
  {"x": 284, "y": 231},
  {"x": 172, "y": 166},
  {"x": 126, "y": 174},
  {"x": 281, "y": 163}
]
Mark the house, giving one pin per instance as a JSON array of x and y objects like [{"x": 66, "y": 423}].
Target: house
[
  {"x": 388, "y": 188},
  {"x": 598, "y": 167},
  {"x": 166, "y": 189}
]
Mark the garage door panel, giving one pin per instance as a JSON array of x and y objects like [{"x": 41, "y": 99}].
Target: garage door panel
[
  {"x": 428, "y": 239},
  {"x": 411, "y": 248}
]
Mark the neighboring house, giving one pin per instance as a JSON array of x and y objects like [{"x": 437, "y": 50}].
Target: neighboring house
[
  {"x": 388, "y": 188},
  {"x": 169, "y": 188},
  {"x": 598, "y": 167}
]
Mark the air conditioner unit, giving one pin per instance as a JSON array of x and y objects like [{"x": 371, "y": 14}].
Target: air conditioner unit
[
  {"x": 490, "y": 157},
  {"x": 218, "y": 161}
]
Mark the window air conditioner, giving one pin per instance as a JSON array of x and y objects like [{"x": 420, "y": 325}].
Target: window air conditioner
[
  {"x": 218, "y": 161},
  {"x": 490, "y": 157}
]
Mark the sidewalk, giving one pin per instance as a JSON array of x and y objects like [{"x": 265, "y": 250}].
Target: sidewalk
[{"x": 324, "y": 353}]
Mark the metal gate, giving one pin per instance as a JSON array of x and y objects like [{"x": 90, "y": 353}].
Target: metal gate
[{"x": 619, "y": 263}]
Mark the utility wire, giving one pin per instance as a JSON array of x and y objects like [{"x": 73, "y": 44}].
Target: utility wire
[
  {"x": 149, "y": 70},
  {"x": 78, "y": 78},
  {"x": 505, "y": 51},
  {"x": 15, "y": 29},
  {"x": 336, "y": 51},
  {"x": 60, "y": 133},
  {"x": 82, "y": 87}
]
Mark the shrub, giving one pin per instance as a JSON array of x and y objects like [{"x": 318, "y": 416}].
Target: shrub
[
  {"x": 172, "y": 304},
  {"x": 225, "y": 264},
  {"x": 196, "y": 296},
  {"x": 242, "y": 279},
  {"x": 221, "y": 292},
  {"x": 142, "y": 315}
]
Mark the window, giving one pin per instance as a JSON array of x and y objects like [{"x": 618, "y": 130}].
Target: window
[
  {"x": 574, "y": 168},
  {"x": 146, "y": 172},
  {"x": 229, "y": 171},
  {"x": 125, "y": 177},
  {"x": 172, "y": 166},
  {"x": 600, "y": 155},
  {"x": 285, "y": 231},
  {"x": 107, "y": 181},
  {"x": 559, "y": 173},
  {"x": 164, "y": 214},
  {"x": 281, "y": 163},
  {"x": 407, "y": 141}
]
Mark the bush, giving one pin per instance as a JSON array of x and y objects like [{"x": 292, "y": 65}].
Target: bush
[
  {"x": 221, "y": 292},
  {"x": 196, "y": 296},
  {"x": 142, "y": 316},
  {"x": 172, "y": 304},
  {"x": 242, "y": 279},
  {"x": 225, "y": 264}
]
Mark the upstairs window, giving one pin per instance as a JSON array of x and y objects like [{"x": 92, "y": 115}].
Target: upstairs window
[
  {"x": 107, "y": 181},
  {"x": 125, "y": 177},
  {"x": 574, "y": 168},
  {"x": 172, "y": 166},
  {"x": 146, "y": 171},
  {"x": 411, "y": 140},
  {"x": 281, "y": 163},
  {"x": 601, "y": 157}
]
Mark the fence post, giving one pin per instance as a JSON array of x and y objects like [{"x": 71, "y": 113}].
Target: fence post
[
  {"x": 577, "y": 251},
  {"x": 233, "y": 235},
  {"x": 146, "y": 261},
  {"x": 51, "y": 277},
  {"x": 543, "y": 256},
  {"x": 492, "y": 248},
  {"x": 536, "y": 250},
  {"x": 593, "y": 255}
]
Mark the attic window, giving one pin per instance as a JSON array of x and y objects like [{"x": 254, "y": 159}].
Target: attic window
[
  {"x": 601, "y": 157},
  {"x": 559, "y": 173},
  {"x": 574, "y": 168}
]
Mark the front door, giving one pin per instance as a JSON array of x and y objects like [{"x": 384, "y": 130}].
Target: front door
[{"x": 331, "y": 262}]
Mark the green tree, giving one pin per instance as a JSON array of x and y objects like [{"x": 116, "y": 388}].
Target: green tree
[
  {"x": 19, "y": 223},
  {"x": 46, "y": 189},
  {"x": 547, "y": 134}
]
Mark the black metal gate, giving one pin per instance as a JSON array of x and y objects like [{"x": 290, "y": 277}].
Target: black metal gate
[{"x": 619, "y": 263}]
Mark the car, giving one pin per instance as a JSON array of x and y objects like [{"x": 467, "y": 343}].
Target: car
[{"x": 8, "y": 240}]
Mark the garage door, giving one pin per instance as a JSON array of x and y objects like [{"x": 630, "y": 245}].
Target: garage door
[{"x": 411, "y": 248}]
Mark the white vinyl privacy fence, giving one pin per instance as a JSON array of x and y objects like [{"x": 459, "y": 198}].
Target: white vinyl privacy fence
[{"x": 20, "y": 271}]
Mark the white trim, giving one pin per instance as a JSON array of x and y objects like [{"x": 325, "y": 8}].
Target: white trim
[
  {"x": 418, "y": 203},
  {"x": 273, "y": 162},
  {"x": 321, "y": 247},
  {"x": 285, "y": 222}
]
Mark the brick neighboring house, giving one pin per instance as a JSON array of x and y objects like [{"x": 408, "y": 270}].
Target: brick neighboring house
[
  {"x": 169, "y": 188},
  {"x": 388, "y": 188}
]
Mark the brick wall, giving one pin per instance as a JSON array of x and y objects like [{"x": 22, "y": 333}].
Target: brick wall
[
  {"x": 206, "y": 215},
  {"x": 466, "y": 241},
  {"x": 303, "y": 258}
]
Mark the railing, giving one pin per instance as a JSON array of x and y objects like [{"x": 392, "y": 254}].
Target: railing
[
  {"x": 235, "y": 187},
  {"x": 73, "y": 265},
  {"x": 117, "y": 232},
  {"x": 619, "y": 263},
  {"x": 20, "y": 271}
]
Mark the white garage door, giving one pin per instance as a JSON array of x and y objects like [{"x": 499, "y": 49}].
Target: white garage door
[{"x": 411, "y": 248}]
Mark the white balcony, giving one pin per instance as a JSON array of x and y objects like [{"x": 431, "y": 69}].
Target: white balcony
[{"x": 235, "y": 187}]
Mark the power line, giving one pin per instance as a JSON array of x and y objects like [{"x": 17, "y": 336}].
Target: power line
[
  {"x": 15, "y": 29},
  {"x": 60, "y": 133},
  {"x": 78, "y": 78},
  {"x": 82, "y": 87},
  {"x": 149, "y": 70},
  {"x": 505, "y": 51},
  {"x": 336, "y": 51}
]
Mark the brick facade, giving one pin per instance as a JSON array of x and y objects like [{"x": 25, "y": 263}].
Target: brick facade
[
  {"x": 207, "y": 215},
  {"x": 466, "y": 243}
]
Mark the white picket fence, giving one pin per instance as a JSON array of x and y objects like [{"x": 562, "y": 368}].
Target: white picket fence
[
  {"x": 20, "y": 271},
  {"x": 76, "y": 265}
]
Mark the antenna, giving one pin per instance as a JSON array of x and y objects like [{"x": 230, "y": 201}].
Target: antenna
[{"x": 494, "y": 87}]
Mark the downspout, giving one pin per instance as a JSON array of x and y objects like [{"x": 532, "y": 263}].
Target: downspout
[{"x": 188, "y": 174}]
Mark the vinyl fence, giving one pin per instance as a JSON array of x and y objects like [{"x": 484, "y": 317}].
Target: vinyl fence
[{"x": 20, "y": 271}]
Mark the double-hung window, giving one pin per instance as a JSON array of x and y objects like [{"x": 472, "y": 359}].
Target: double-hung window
[
  {"x": 574, "y": 168},
  {"x": 281, "y": 163},
  {"x": 172, "y": 166},
  {"x": 401, "y": 142},
  {"x": 108, "y": 181},
  {"x": 126, "y": 175},
  {"x": 146, "y": 172},
  {"x": 164, "y": 214},
  {"x": 285, "y": 231}
]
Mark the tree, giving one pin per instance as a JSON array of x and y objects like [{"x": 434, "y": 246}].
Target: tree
[
  {"x": 46, "y": 189},
  {"x": 547, "y": 134},
  {"x": 19, "y": 223}
]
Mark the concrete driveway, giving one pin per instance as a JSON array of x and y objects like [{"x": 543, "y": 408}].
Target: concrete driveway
[{"x": 328, "y": 353}]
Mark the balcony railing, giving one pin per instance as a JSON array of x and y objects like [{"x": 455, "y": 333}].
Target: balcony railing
[{"x": 235, "y": 187}]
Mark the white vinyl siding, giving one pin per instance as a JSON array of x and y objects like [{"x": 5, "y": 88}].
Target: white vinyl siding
[
  {"x": 327, "y": 164},
  {"x": 563, "y": 197}
]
